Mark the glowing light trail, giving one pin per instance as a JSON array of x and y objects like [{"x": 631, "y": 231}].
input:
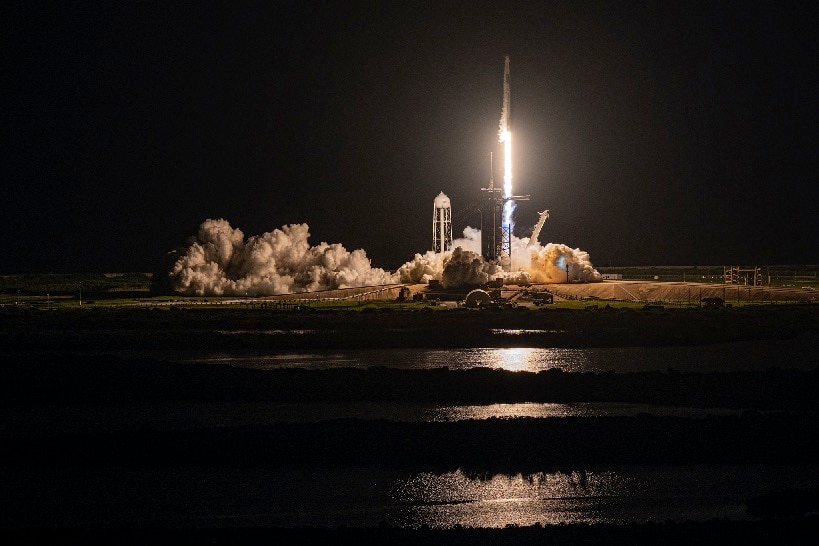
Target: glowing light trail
[{"x": 505, "y": 137}]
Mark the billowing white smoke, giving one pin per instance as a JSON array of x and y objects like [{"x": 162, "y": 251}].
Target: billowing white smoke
[
  {"x": 220, "y": 262},
  {"x": 465, "y": 265},
  {"x": 431, "y": 265},
  {"x": 553, "y": 263}
]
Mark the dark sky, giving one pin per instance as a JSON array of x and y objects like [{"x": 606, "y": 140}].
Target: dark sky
[{"x": 656, "y": 133}]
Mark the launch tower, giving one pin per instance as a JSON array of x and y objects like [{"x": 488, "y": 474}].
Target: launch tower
[
  {"x": 492, "y": 246},
  {"x": 496, "y": 231}
]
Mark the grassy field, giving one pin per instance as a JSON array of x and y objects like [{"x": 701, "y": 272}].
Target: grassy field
[
  {"x": 661, "y": 286},
  {"x": 772, "y": 275}
]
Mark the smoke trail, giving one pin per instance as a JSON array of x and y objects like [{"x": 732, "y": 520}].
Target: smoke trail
[
  {"x": 504, "y": 120},
  {"x": 219, "y": 261}
]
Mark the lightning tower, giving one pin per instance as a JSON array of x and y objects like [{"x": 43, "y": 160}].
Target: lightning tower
[{"x": 442, "y": 224}]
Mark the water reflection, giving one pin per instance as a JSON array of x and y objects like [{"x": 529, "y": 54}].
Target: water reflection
[
  {"x": 178, "y": 416},
  {"x": 456, "y": 487},
  {"x": 513, "y": 359},
  {"x": 551, "y": 409},
  {"x": 614, "y": 495},
  {"x": 277, "y": 332},
  {"x": 746, "y": 355},
  {"x": 444, "y": 500},
  {"x": 516, "y": 359},
  {"x": 522, "y": 331},
  {"x": 366, "y": 496}
]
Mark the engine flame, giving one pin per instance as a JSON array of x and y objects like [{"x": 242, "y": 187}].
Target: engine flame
[{"x": 506, "y": 139}]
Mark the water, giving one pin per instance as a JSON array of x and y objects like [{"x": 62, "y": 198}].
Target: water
[
  {"x": 745, "y": 355},
  {"x": 367, "y": 496},
  {"x": 90, "y": 418}
]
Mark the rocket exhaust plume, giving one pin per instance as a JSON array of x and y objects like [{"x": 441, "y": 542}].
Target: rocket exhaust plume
[
  {"x": 219, "y": 261},
  {"x": 531, "y": 262},
  {"x": 505, "y": 137}
]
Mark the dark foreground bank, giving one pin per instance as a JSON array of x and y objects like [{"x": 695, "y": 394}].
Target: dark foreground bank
[
  {"x": 55, "y": 379},
  {"x": 114, "y": 329},
  {"x": 799, "y": 530}
]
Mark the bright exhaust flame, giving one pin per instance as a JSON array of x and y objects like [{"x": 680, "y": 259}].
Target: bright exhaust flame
[
  {"x": 508, "y": 206},
  {"x": 505, "y": 137}
]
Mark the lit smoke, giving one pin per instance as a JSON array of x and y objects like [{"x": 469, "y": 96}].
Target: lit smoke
[
  {"x": 553, "y": 263},
  {"x": 220, "y": 262},
  {"x": 431, "y": 265},
  {"x": 464, "y": 267},
  {"x": 534, "y": 263}
]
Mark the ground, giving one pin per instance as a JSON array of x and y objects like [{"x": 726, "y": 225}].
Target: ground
[{"x": 663, "y": 292}]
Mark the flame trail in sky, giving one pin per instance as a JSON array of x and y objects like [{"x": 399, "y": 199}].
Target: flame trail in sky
[{"x": 505, "y": 137}]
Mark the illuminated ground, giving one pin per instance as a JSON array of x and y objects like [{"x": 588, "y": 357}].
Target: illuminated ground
[
  {"x": 680, "y": 292},
  {"x": 610, "y": 290}
]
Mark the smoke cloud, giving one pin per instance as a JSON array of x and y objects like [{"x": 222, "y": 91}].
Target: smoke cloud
[
  {"x": 465, "y": 267},
  {"x": 553, "y": 263},
  {"x": 219, "y": 260},
  {"x": 534, "y": 263}
]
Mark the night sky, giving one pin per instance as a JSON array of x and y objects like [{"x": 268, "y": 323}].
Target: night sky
[{"x": 656, "y": 133}]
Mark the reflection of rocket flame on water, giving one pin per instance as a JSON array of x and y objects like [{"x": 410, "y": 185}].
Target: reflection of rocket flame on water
[{"x": 505, "y": 137}]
